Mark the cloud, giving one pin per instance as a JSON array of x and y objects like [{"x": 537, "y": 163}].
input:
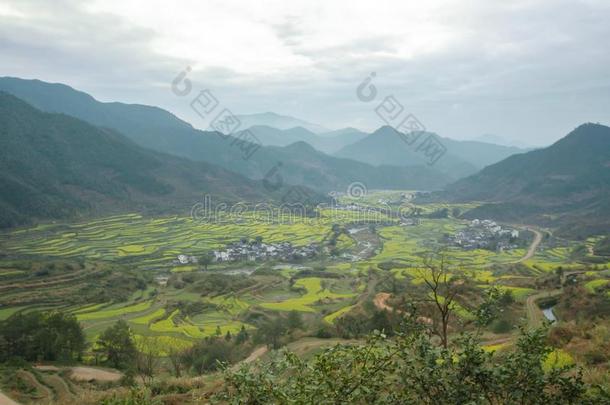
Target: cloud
[{"x": 529, "y": 70}]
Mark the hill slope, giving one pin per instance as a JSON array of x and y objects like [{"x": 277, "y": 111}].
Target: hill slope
[
  {"x": 56, "y": 166},
  {"x": 569, "y": 182},
  {"x": 157, "y": 129}
]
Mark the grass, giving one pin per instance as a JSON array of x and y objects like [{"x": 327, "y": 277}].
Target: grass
[
  {"x": 519, "y": 293},
  {"x": 593, "y": 285},
  {"x": 89, "y": 308},
  {"x": 314, "y": 293},
  {"x": 162, "y": 345},
  {"x": 6, "y": 313},
  {"x": 146, "y": 319},
  {"x": 332, "y": 317},
  {"x": 229, "y": 303},
  {"x": 112, "y": 313},
  {"x": 496, "y": 347},
  {"x": 558, "y": 358}
]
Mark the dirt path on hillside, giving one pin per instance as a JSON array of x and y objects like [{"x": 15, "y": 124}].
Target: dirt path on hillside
[
  {"x": 255, "y": 355},
  {"x": 380, "y": 301},
  {"x": 97, "y": 374},
  {"x": 534, "y": 313},
  {"x": 4, "y": 400}
]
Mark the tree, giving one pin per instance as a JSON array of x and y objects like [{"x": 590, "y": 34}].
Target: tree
[
  {"x": 42, "y": 336},
  {"x": 148, "y": 360},
  {"x": 242, "y": 336},
  {"x": 206, "y": 355},
  {"x": 176, "y": 360},
  {"x": 295, "y": 320},
  {"x": 271, "y": 331},
  {"x": 205, "y": 260},
  {"x": 443, "y": 290},
  {"x": 117, "y": 345}
]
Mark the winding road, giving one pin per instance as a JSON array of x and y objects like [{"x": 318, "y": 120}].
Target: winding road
[
  {"x": 535, "y": 243},
  {"x": 534, "y": 313}
]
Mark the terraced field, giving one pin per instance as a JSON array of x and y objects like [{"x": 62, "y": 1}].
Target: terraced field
[
  {"x": 314, "y": 293},
  {"x": 148, "y": 241},
  {"x": 150, "y": 246}
]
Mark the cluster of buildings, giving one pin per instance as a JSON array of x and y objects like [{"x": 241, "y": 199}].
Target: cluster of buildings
[
  {"x": 254, "y": 251},
  {"x": 485, "y": 234}
]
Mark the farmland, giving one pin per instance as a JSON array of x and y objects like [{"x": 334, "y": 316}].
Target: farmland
[{"x": 125, "y": 267}]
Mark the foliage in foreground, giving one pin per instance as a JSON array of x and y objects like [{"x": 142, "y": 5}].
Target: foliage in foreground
[{"x": 410, "y": 369}]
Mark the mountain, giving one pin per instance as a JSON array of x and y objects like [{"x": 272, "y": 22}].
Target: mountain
[
  {"x": 302, "y": 164},
  {"x": 159, "y": 130},
  {"x": 329, "y": 142},
  {"x": 270, "y": 119},
  {"x": 57, "y": 166},
  {"x": 270, "y": 136},
  {"x": 462, "y": 158},
  {"x": 385, "y": 146},
  {"x": 567, "y": 184},
  {"x": 498, "y": 140}
]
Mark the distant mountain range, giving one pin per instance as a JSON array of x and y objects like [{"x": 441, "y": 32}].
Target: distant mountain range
[
  {"x": 270, "y": 119},
  {"x": 498, "y": 140},
  {"x": 462, "y": 158},
  {"x": 566, "y": 184},
  {"x": 57, "y": 166},
  {"x": 160, "y": 130},
  {"x": 328, "y": 143}
]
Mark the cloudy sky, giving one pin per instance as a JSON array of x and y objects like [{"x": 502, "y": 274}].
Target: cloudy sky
[{"x": 528, "y": 71}]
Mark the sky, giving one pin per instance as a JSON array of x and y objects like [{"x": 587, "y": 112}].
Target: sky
[{"x": 526, "y": 71}]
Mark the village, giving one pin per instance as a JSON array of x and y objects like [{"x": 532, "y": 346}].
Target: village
[
  {"x": 256, "y": 250},
  {"x": 485, "y": 234}
]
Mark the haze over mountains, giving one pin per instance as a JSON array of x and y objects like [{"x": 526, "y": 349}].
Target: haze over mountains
[
  {"x": 329, "y": 142},
  {"x": 567, "y": 180},
  {"x": 158, "y": 129},
  {"x": 271, "y": 119}
]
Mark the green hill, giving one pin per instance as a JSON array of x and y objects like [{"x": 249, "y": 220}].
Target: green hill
[
  {"x": 567, "y": 183},
  {"x": 56, "y": 166},
  {"x": 159, "y": 130}
]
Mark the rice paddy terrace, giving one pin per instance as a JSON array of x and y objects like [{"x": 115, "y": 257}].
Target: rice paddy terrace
[{"x": 108, "y": 269}]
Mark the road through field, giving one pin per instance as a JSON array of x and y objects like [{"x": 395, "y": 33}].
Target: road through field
[{"x": 532, "y": 249}]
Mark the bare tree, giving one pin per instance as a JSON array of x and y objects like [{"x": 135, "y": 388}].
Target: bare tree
[
  {"x": 148, "y": 357},
  {"x": 177, "y": 361},
  {"x": 443, "y": 290}
]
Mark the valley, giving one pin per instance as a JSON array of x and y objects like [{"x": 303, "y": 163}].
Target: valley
[{"x": 126, "y": 267}]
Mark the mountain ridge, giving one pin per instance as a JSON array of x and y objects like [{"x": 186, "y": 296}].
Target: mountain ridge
[
  {"x": 160, "y": 130},
  {"x": 57, "y": 166}
]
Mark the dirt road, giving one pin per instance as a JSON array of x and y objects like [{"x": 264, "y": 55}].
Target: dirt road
[
  {"x": 534, "y": 245},
  {"x": 97, "y": 374},
  {"x": 257, "y": 353},
  {"x": 532, "y": 249},
  {"x": 534, "y": 314},
  {"x": 4, "y": 400}
]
